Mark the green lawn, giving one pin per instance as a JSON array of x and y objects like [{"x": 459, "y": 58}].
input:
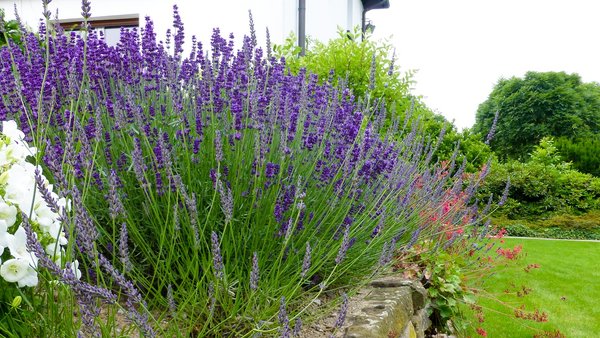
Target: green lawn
[{"x": 566, "y": 286}]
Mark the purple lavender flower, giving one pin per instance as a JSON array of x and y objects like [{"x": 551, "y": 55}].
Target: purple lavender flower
[
  {"x": 344, "y": 246},
  {"x": 171, "y": 300},
  {"x": 283, "y": 319},
  {"x": 492, "y": 131},
  {"x": 176, "y": 222},
  {"x": 268, "y": 45},
  {"x": 271, "y": 170},
  {"x": 379, "y": 226},
  {"x": 213, "y": 176},
  {"x": 373, "y": 70},
  {"x": 297, "y": 327},
  {"x": 218, "y": 146},
  {"x": 252, "y": 31},
  {"x": 226, "y": 201},
  {"x": 216, "y": 252},
  {"x": 139, "y": 167},
  {"x": 124, "y": 248},
  {"x": 306, "y": 261},
  {"x": 179, "y": 35},
  {"x": 85, "y": 9},
  {"x": 384, "y": 254},
  {"x": 341, "y": 318},
  {"x": 46, "y": 12},
  {"x": 392, "y": 248},
  {"x": 505, "y": 193},
  {"x": 488, "y": 205},
  {"x": 255, "y": 272},
  {"x": 115, "y": 206},
  {"x": 159, "y": 183},
  {"x": 392, "y": 61}
]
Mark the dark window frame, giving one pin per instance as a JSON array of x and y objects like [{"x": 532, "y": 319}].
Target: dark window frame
[{"x": 126, "y": 21}]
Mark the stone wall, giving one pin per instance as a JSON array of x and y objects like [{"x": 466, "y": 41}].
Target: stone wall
[{"x": 389, "y": 307}]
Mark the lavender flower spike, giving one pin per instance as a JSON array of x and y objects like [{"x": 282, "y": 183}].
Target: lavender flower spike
[
  {"x": 297, "y": 327},
  {"x": 123, "y": 248},
  {"x": 226, "y": 201},
  {"x": 306, "y": 262},
  {"x": 492, "y": 131},
  {"x": 342, "y": 314},
  {"x": 284, "y": 320},
  {"x": 171, "y": 300},
  {"x": 218, "y": 146},
  {"x": 217, "y": 258},
  {"x": 344, "y": 247},
  {"x": 505, "y": 193},
  {"x": 254, "y": 273},
  {"x": 85, "y": 9},
  {"x": 115, "y": 206}
]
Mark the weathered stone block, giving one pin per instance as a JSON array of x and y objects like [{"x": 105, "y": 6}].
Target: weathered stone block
[
  {"x": 409, "y": 332},
  {"x": 391, "y": 306},
  {"x": 419, "y": 296},
  {"x": 390, "y": 282},
  {"x": 421, "y": 322},
  {"x": 384, "y": 310}
]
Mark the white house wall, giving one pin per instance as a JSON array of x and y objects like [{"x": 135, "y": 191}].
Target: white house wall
[{"x": 323, "y": 17}]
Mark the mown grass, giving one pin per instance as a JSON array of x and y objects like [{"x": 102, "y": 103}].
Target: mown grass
[{"x": 565, "y": 287}]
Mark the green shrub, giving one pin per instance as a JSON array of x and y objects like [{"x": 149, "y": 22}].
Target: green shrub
[
  {"x": 583, "y": 153},
  {"x": 588, "y": 221},
  {"x": 543, "y": 186},
  {"x": 586, "y": 226},
  {"x": 9, "y": 31},
  {"x": 519, "y": 230},
  {"x": 365, "y": 66}
]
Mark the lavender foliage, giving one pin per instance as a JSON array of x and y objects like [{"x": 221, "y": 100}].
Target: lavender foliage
[{"x": 166, "y": 139}]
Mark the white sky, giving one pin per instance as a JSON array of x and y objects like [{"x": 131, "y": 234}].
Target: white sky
[{"x": 460, "y": 48}]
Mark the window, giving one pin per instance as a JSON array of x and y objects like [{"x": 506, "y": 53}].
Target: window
[{"x": 109, "y": 26}]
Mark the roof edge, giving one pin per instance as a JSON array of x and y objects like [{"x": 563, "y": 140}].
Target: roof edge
[{"x": 375, "y": 4}]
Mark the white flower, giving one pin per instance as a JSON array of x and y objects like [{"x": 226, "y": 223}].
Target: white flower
[
  {"x": 19, "y": 195},
  {"x": 8, "y": 213},
  {"x": 31, "y": 279},
  {"x": 64, "y": 204},
  {"x": 14, "y": 269},
  {"x": 55, "y": 252},
  {"x": 18, "y": 270},
  {"x": 75, "y": 269},
  {"x": 3, "y": 236},
  {"x": 43, "y": 214},
  {"x": 17, "y": 244},
  {"x": 9, "y": 128},
  {"x": 17, "y": 149},
  {"x": 20, "y": 185}
]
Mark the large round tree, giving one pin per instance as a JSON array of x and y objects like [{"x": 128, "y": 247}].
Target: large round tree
[{"x": 540, "y": 104}]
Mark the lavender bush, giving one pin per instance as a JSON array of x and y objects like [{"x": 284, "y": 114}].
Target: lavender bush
[{"x": 212, "y": 189}]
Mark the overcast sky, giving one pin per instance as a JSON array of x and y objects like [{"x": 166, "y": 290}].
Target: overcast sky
[{"x": 462, "y": 47}]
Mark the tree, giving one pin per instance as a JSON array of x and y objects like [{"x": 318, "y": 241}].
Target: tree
[
  {"x": 583, "y": 152},
  {"x": 539, "y": 105}
]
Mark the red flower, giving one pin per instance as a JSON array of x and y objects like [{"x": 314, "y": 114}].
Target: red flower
[{"x": 481, "y": 332}]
